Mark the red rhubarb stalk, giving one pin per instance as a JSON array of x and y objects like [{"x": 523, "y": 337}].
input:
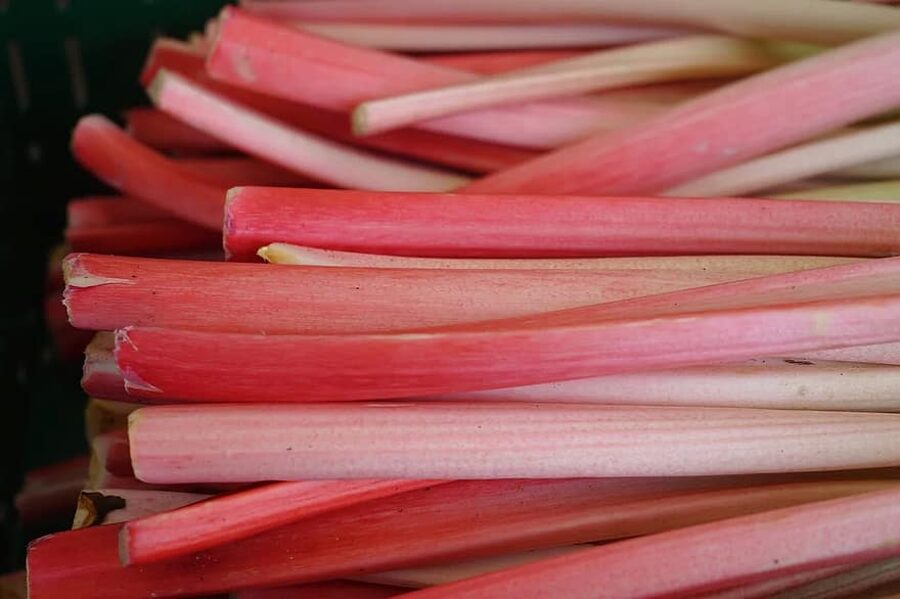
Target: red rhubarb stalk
[
  {"x": 334, "y": 589},
  {"x": 110, "y": 506},
  {"x": 747, "y": 549},
  {"x": 803, "y": 20},
  {"x": 838, "y": 306},
  {"x": 243, "y": 514},
  {"x": 466, "y": 154},
  {"x": 466, "y": 38},
  {"x": 720, "y": 129},
  {"x": 797, "y": 163},
  {"x": 136, "y": 170},
  {"x": 231, "y": 171},
  {"x": 285, "y": 253},
  {"x": 111, "y": 452},
  {"x": 694, "y": 57},
  {"x": 246, "y": 443},
  {"x": 291, "y": 148},
  {"x": 110, "y": 292},
  {"x": 146, "y": 238},
  {"x": 534, "y": 226},
  {"x": 273, "y": 59},
  {"x": 162, "y": 132},
  {"x": 450, "y": 522}
]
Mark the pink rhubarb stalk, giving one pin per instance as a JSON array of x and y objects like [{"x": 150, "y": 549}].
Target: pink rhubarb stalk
[
  {"x": 291, "y": 148},
  {"x": 110, "y": 292},
  {"x": 246, "y": 443},
  {"x": 273, "y": 59},
  {"x": 535, "y": 226},
  {"x": 747, "y": 549},
  {"x": 458, "y": 152},
  {"x": 162, "y": 132},
  {"x": 451, "y": 522},
  {"x": 797, "y": 163},
  {"x": 720, "y": 129},
  {"x": 408, "y": 37},
  {"x": 694, "y": 57},
  {"x": 228, "y": 518},
  {"x": 111, "y": 506},
  {"x": 802, "y": 20},
  {"x": 136, "y": 170},
  {"x": 838, "y": 306},
  {"x": 285, "y": 253}
]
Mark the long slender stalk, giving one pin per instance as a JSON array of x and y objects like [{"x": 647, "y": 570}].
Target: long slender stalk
[
  {"x": 880, "y": 191},
  {"x": 111, "y": 506},
  {"x": 291, "y": 148},
  {"x": 450, "y": 522},
  {"x": 747, "y": 549},
  {"x": 334, "y": 589},
  {"x": 273, "y": 59},
  {"x": 136, "y": 170},
  {"x": 180, "y": 444},
  {"x": 839, "y": 306},
  {"x": 285, "y": 253},
  {"x": 162, "y": 132},
  {"x": 466, "y": 38},
  {"x": 228, "y": 518},
  {"x": 550, "y": 226},
  {"x": 466, "y": 154},
  {"x": 231, "y": 171},
  {"x": 146, "y": 238},
  {"x": 694, "y": 57},
  {"x": 802, "y": 20},
  {"x": 720, "y": 129},
  {"x": 110, "y": 292},
  {"x": 797, "y": 163}
]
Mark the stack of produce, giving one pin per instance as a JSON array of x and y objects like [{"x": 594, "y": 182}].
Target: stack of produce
[{"x": 518, "y": 298}]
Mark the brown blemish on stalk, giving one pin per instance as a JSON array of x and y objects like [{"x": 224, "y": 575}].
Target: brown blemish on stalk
[
  {"x": 800, "y": 362},
  {"x": 94, "y": 507}
]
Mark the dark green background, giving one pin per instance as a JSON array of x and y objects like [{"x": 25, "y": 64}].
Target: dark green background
[{"x": 41, "y": 403}]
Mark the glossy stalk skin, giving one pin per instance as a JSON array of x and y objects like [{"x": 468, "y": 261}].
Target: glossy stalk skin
[
  {"x": 228, "y": 518},
  {"x": 690, "y": 58},
  {"x": 271, "y": 58},
  {"x": 717, "y": 130},
  {"x": 286, "y": 253},
  {"x": 551, "y": 226},
  {"x": 291, "y": 148},
  {"x": 136, "y": 170},
  {"x": 110, "y": 292},
  {"x": 440, "y": 440},
  {"x": 450, "y": 522},
  {"x": 458, "y": 152},
  {"x": 786, "y": 314},
  {"x": 111, "y": 506},
  {"x": 748, "y": 549},
  {"x": 801, "y": 20}
]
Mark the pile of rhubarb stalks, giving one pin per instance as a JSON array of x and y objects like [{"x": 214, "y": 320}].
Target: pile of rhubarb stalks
[{"x": 518, "y": 298}]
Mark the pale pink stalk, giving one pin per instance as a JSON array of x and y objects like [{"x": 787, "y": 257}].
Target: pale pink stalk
[
  {"x": 277, "y": 60},
  {"x": 110, "y": 506},
  {"x": 551, "y": 226},
  {"x": 136, "y": 170},
  {"x": 466, "y": 38},
  {"x": 451, "y": 522},
  {"x": 438, "y": 440},
  {"x": 838, "y": 306},
  {"x": 803, "y": 20},
  {"x": 880, "y": 191},
  {"x": 291, "y": 148},
  {"x": 797, "y": 163},
  {"x": 110, "y": 292},
  {"x": 426, "y": 576},
  {"x": 720, "y": 129},
  {"x": 228, "y": 518},
  {"x": 285, "y": 253},
  {"x": 746, "y": 549},
  {"x": 694, "y": 57}
]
